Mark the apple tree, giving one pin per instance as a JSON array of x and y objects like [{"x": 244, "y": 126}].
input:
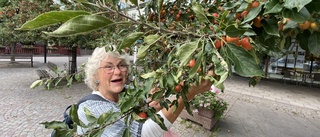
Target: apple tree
[
  {"x": 15, "y": 13},
  {"x": 178, "y": 41}
]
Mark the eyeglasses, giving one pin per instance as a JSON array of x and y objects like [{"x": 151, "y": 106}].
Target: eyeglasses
[{"x": 110, "y": 68}]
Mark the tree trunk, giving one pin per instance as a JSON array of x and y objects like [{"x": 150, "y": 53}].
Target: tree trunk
[
  {"x": 73, "y": 68},
  {"x": 13, "y": 51},
  {"x": 266, "y": 62}
]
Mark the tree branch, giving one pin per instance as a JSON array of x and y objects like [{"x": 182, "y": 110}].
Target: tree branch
[{"x": 155, "y": 28}]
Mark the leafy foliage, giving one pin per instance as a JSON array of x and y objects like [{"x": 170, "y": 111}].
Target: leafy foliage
[
  {"x": 218, "y": 34},
  {"x": 15, "y": 13}
]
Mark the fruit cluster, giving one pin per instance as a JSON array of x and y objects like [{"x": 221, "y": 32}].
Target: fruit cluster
[{"x": 244, "y": 42}]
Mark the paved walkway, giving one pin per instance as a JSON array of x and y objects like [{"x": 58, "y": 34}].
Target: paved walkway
[{"x": 270, "y": 109}]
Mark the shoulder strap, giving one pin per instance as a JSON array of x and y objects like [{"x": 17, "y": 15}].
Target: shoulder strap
[
  {"x": 88, "y": 97},
  {"x": 91, "y": 97}
]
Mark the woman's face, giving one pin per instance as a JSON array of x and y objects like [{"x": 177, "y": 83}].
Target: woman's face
[{"x": 112, "y": 75}]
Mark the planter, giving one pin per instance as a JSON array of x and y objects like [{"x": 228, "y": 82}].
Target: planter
[
  {"x": 205, "y": 112},
  {"x": 204, "y": 117}
]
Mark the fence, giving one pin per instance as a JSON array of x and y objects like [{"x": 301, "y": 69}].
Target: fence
[{"x": 37, "y": 50}]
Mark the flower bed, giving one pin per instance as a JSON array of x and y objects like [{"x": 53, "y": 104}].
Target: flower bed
[{"x": 207, "y": 109}]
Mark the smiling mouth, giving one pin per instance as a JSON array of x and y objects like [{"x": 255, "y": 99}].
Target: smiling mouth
[{"x": 116, "y": 80}]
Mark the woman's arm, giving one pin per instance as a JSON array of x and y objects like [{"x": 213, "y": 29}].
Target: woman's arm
[
  {"x": 204, "y": 86},
  {"x": 150, "y": 128}
]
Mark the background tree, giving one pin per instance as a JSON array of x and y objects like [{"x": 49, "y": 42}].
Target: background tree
[
  {"x": 87, "y": 40},
  {"x": 15, "y": 13},
  {"x": 180, "y": 40}
]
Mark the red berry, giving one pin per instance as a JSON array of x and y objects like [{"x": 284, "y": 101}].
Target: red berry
[
  {"x": 192, "y": 63},
  {"x": 177, "y": 88},
  {"x": 143, "y": 115}
]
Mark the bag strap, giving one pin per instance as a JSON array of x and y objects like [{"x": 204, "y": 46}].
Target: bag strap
[
  {"x": 91, "y": 97},
  {"x": 88, "y": 97}
]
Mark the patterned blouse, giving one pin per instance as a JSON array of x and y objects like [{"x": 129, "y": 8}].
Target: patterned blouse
[{"x": 97, "y": 108}]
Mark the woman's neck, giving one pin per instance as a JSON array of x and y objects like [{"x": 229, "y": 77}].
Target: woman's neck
[{"x": 111, "y": 97}]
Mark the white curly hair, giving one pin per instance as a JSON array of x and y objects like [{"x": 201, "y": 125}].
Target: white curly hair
[{"x": 93, "y": 63}]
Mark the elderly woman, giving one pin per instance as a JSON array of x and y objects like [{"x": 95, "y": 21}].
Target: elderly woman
[{"x": 106, "y": 74}]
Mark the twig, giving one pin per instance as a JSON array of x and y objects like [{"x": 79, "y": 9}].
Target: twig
[{"x": 155, "y": 28}]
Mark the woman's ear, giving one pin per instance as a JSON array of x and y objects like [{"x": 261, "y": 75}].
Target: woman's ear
[{"x": 95, "y": 78}]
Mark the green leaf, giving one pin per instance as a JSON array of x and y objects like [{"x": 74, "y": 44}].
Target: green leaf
[
  {"x": 82, "y": 1},
  {"x": 243, "y": 7},
  {"x": 107, "y": 117},
  {"x": 282, "y": 43},
  {"x": 130, "y": 39},
  {"x": 223, "y": 77},
  {"x": 176, "y": 77},
  {"x": 74, "y": 114},
  {"x": 244, "y": 63},
  {"x": 273, "y": 6},
  {"x": 36, "y": 83},
  {"x": 157, "y": 95},
  {"x": 77, "y": 77},
  {"x": 96, "y": 134},
  {"x": 300, "y": 17},
  {"x": 170, "y": 80},
  {"x": 250, "y": 33},
  {"x": 103, "y": 118},
  {"x": 59, "y": 80},
  {"x": 220, "y": 69},
  {"x": 230, "y": 5},
  {"x": 55, "y": 125},
  {"x": 233, "y": 31},
  {"x": 195, "y": 68},
  {"x": 245, "y": 26},
  {"x": 156, "y": 118},
  {"x": 126, "y": 133},
  {"x": 4, "y": 3},
  {"x": 89, "y": 116},
  {"x": 253, "y": 13},
  {"x": 199, "y": 11},
  {"x": 162, "y": 81},
  {"x": 80, "y": 24},
  {"x": 159, "y": 5},
  {"x": 303, "y": 39},
  {"x": 313, "y": 6},
  {"x": 127, "y": 105},
  {"x": 290, "y": 25},
  {"x": 51, "y": 18},
  {"x": 48, "y": 83},
  {"x": 148, "y": 75},
  {"x": 148, "y": 84},
  {"x": 135, "y": 2},
  {"x": 299, "y": 4},
  {"x": 149, "y": 40},
  {"x": 70, "y": 80},
  {"x": 314, "y": 43},
  {"x": 185, "y": 52},
  {"x": 271, "y": 26}
]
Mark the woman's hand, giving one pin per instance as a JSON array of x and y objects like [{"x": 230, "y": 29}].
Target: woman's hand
[
  {"x": 173, "y": 112},
  {"x": 204, "y": 86},
  {"x": 155, "y": 104}
]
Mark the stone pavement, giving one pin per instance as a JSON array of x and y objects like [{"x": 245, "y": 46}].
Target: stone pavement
[{"x": 271, "y": 109}]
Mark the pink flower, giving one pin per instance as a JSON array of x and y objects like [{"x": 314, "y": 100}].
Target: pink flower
[{"x": 195, "y": 111}]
